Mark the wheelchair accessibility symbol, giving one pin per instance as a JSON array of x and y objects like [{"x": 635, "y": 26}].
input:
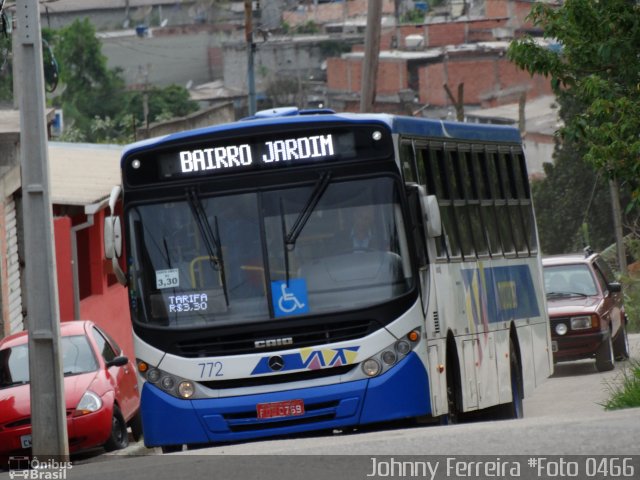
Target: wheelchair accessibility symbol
[{"x": 290, "y": 299}]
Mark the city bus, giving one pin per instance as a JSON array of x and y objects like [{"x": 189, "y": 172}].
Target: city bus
[{"x": 304, "y": 270}]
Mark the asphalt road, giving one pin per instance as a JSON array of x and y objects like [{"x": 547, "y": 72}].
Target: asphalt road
[{"x": 564, "y": 417}]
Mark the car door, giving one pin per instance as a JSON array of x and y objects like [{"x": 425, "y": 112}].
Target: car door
[{"x": 125, "y": 381}]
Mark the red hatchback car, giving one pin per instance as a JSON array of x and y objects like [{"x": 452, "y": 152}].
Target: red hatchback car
[
  {"x": 100, "y": 385},
  {"x": 586, "y": 310}
]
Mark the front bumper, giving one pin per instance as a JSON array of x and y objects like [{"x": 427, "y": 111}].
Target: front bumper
[
  {"x": 401, "y": 392},
  {"x": 577, "y": 346},
  {"x": 88, "y": 431}
]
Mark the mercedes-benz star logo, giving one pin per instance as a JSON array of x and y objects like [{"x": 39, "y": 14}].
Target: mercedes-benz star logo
[{"x": 276, "y": 363}]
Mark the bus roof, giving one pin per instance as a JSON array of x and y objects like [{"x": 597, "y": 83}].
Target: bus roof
[{"x": 404, "y": 125}]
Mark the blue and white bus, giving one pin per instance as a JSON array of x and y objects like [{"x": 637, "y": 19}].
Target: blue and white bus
[{"x": 307, "y": 270}]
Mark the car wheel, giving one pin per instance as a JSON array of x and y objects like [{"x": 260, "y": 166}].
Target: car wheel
[
  {"x": 621, "y": 345},
  {"x": 119, "y": 437},
  {"x": 604, "y": 355},
  {"x": 136, "y": 426}
]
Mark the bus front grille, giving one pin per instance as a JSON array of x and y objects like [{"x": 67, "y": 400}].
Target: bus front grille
[
  {"x": 301, "y": 336},
  {"x": 278, "y": 379}
]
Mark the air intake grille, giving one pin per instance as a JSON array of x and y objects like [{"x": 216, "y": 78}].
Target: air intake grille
[
  {"x": 303, "y": 336},
  {"x": 436, "y": 323}
]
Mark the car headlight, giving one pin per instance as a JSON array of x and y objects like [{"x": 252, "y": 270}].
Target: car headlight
[
  {"x": 581, "y": 323},
  {"x": 89, "y": 403},
  {"x": 561, "y": 328},
  {"x": 390, "y": 356}
]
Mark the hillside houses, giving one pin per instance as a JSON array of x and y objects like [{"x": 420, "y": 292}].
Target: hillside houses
[{"x": 167, "y": 41}]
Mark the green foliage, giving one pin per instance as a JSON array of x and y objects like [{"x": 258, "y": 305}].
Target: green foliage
[
  {"x": 597, "y": 63},
  {"x": 573, "y": 204},
  {"x": 333, "y": 48},
  {"x": 625, "y": 392},
  {"x": 6, "y": 73},
  {"x": 570, "y": 196},
  {"x": 310, "y": 27},
  {"x": 413, "y": 16},
  {"x": 631, "y": 290},
  {"x": 97, "y": 106}
]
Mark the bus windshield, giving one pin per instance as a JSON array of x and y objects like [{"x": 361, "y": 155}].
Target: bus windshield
[{"x": 231, "y": 259}]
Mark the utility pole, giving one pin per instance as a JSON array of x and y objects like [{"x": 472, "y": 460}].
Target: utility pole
[
  {"x": 371, "y": 53},
  {"x": 248, "y": 31},
  {"x": 617, "y": 226},
  {"x": 48, "y": 413},
  {"x": 458, "y": 103}
]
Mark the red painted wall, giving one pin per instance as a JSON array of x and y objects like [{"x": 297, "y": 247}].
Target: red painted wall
[
  {"x": 64, "y": 266},
  {"x": 101, "y": 300}
]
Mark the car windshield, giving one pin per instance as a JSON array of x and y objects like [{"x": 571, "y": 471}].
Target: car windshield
[
  {"x": 77, "y": 357},
  {"x": 564, "y": 280},
  {"x": 322, "y": 247}
]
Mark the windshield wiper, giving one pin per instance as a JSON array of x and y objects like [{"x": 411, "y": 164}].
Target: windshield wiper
[
  {"x": 305, "y": 213},
  {"x": 211, "y": 239},
  {"x": 566, "y": 294}
]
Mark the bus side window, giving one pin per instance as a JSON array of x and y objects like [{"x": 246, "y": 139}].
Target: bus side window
[
  {"x": 432, "y": 159},
  {"x": 408, "y": 163},
  {"x": 417, "y": 225}
]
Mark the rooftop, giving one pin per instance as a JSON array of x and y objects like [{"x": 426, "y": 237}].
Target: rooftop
[{"x": 83, "y": 174}]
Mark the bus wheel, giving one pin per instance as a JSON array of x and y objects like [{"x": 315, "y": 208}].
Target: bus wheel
[
  {"x": 454, "y": 414},
  {"x": 136, "y": 426},
  {"x": 514, "y": 408}
]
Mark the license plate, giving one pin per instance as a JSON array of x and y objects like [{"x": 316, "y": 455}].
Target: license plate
[
  {"x": 554, "y": 346},
  {"x": 25, "y": 441},
  {"x": 288, "y": 408}
]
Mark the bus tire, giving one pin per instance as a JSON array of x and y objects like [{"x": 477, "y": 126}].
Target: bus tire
[
  {"x": 136, "y": 426},
  {"x": 171, "y": 448},
  {"x": 513, "y": 410},
  {"x": 453, "y": 388}
]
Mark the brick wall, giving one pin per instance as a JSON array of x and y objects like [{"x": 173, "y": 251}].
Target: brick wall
[
  {"x": 483, "y": 78},
  {"x": 343, "y": 75},
  {"x": 516, "y": 10}
]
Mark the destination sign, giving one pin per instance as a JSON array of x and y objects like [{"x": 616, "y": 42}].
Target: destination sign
[
  {"x": 232, "y": 156},
  {"x": 204, "y": 156}
]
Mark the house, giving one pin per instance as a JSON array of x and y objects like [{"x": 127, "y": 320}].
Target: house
[{"x": 81, "y": 178}]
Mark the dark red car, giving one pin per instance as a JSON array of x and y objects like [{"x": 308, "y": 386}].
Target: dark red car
[
  {"x": 586, "y": 310},
  {"x": 100, "y": 385}
]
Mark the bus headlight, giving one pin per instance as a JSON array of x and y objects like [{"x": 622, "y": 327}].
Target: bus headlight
[
  {"x": 390, "y": 356},
  {"x": 168, "y": 383},
  {"x": 153, "y": 375},
  {"x": 172, "y": 384},
  {"x": 186, "y": 389}
]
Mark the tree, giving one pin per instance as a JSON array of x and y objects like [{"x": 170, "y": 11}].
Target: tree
[
  {"x": 96, "y": 104},
  {"x": 597, "y": 65},
  {"x": 91, "y": 89}
]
